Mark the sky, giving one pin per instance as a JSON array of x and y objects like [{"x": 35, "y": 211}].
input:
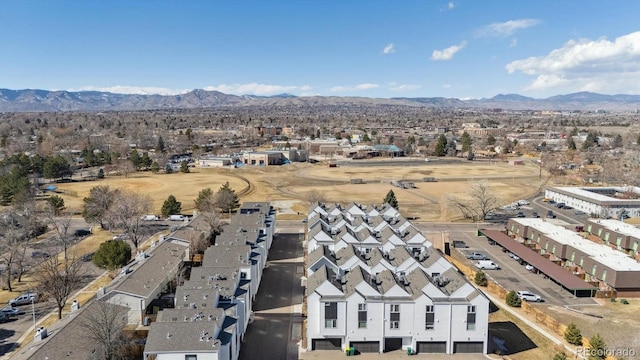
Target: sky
[{"x": 397, "y": 48}]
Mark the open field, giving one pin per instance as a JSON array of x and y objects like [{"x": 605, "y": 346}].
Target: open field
[{"x": 288, "y": 187}]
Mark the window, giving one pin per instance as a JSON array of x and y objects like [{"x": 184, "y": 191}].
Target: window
[
  {"x": 331, "y": 315},
  {"x": 553, "y": 249},
  {"x": 606, "y": 236},
  {"x": 362, "y": 316},
  {"x": 581, "y": 261},
  {"x": 619, "y": 241},
  {"x": 593, "y": 270},
  {"x": 604, "y": 275},
  {"x": 471, "y": 317},
  {"x": 573, "y": 256},
  {"x": 394, "y": 316},
  {"x": 430, "y": 319},
  {"x": 589, "y": 229},
  {"x": 191, "y": 357}
]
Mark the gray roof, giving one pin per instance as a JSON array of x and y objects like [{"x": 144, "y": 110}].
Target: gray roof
[
  {"x": 153, "y": 270},
  {"x": 398, "y": 255},
  {"x": 215, "y": 315},
  {"x": 354, "y": 278},
  {"x": 318, "y": 253},
  {"x": 181, "y": 337},
  {"x": 189, "y": 298},
  {"x": 344, "y": 254},
  {"x": 70, "y": 341},
  {"x": 197, "y": 228},
  {"x": 227, "y": 256},
  {"x": 319, "y": 277}
]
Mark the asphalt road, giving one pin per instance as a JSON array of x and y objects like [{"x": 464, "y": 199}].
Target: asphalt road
[{"x": 276, "y": 327}]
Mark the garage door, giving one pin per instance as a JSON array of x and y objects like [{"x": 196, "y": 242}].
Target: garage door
[
  {"x": 433, "y": 347},
  {"x": 326, "y": 344},
  {"x": 392, "y": 344},
  {"x": 468, "y": 347},
  {"x": 366, "y": 346}
]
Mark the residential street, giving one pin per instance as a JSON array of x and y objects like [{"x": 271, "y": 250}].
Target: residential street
[{"x": 277, "y": 325}]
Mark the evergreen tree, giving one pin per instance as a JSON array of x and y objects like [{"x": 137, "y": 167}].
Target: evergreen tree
[
  {"x": 571, "y": 145},
  {"x": 572, "y": 335},
  {"x": 101, "y": 173},
  {"x": 466, "y": 142},
  {"x": 205, "y": 200},
  {"x": 56, "y": 168},
  {"x": 184, "y": 167},
  {"x": 226, "y": 198},
  {"x": 512, "y": 299},
  {"x": 491, "y": 140},
  {"x": 112, "y": 254},
  {"x": 145, "y": 160},
  {"x": 560, "y": 356},
  {"x": 155, "y": 167},
  {"x": 590, "y": 141},
  {"x": 135, "y": 159},
  {"x": 160, "y": 147},
  {"x": 56, "y": 204},
  {"x": 441, "y": 146},
  {"x": 597, "y": 348},
  {"x": 391, "y": 199},
  {"x": 480, "y": 278},
  {"x": 168, "y": 169},
  {"x": 617, "y": 141},
  {"x": 171, "y": 206}
]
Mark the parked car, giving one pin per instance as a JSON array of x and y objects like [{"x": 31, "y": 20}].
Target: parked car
[
  {"x": 487, "y": 265},
  {"x": 520, "y": 214},
  {"x": 23, "y": 299},
  {"x": 177, "y": 217},
  {"x": 580, "y": 212},
  {"x": 82, "y": 233},
  {"x": 550, "y": 214},
  {"x": 514, "y": 256},
  {"x": 551, "y": 201},
  {"x": 40, "y": 254},
  {"x": 150, "y": 218},
  {"x": 567, "y": 207},
  {"x": 477, "y": 256},
  {"x": 528, "y": 296},
  {"x": 523, "y": 202},
  {"x": 11, "y": 311},
  {"x": 459, "y": 244},
  {"x": 535, "y": 214},
  {"x": 3, "y": 318},
  {"x": 530, "y": 267},
  {"x": 560, "y": 205}
]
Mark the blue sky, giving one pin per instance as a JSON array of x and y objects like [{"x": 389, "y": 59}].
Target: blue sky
[{"x": 401, "y": 48}]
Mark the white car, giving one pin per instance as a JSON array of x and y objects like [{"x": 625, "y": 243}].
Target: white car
[
  {"x": 23, "y": 299},
  {"x": 529, "y": 296},
  {"x": 150, "y": 218},
  {"x": 523, "y": 202}
]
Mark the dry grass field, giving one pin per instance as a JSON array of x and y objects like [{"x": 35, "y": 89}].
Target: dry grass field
[{"x": 288, "y": 187}]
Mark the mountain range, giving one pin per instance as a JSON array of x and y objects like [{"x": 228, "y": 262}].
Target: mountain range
[{"x": 45, "y": 100}]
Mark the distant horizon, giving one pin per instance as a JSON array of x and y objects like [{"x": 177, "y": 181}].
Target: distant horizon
[
  {"x": 384, "y": 49},
  {"x": 303, "y": 96}
]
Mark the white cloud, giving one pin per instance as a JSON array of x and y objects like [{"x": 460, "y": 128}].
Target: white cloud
[
  {"x": 451, "y": 5},
  {"x": 258, "y": 89},
  {"x": 359, "y": 87},
  {"x": 137, "y": 90},
  {"x": 403, "y": 87},
  {"x": 447, "y": 54},
  {"x": 586, "y": 65},
  {"x": 389, "y": 49},
  {"x": 514, "y": 42},
  {"x": 446, "y": 86},
  {"x": 506, "y": 28}
]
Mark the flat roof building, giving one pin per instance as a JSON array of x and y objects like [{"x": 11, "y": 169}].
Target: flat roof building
[{"x": 600, "y": 202}]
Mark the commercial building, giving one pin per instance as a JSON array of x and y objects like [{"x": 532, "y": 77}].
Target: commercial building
[
  {"x": 603, "y": 202},
  {"x": 376, "y": 284},
  {"x": 616, "y": 234}
]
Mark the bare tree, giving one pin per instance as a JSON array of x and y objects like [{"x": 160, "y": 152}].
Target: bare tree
[
  {"x": 206, "y": 203},
  {"x": 12, "y": 237},
  {"x": 479, "y": 202},
  {"x": 58, "y": 278},
  {"x": 315, "y": 196},
  {"x": 126, "y": 213},
  {"x": 104, "y": 325},
  {"x": 97, "y": 204},
  {"x": 61, "y": 225}
]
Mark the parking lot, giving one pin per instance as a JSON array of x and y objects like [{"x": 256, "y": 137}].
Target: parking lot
[{"x": 512, "y": 275}]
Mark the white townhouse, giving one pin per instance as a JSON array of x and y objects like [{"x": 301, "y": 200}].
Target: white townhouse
[{"x": 378, "y": 299}]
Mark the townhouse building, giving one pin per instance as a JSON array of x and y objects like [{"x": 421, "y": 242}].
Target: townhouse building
[{"x": 376, "y": 284}]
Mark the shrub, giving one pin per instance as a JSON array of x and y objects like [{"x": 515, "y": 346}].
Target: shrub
[
  {"x": 560, "y": 356},
  {"x": 572, "y": 335},
  {"x": 613, "y": 299},
  {"x": 481, "y": 278},
  {"x": 112, "y": 254},
  {"x": 624, "y": 302},
  {"x": 512, "y": 299}
]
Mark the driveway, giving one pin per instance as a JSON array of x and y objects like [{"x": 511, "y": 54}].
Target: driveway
[{"x": 277, "y": 323}]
